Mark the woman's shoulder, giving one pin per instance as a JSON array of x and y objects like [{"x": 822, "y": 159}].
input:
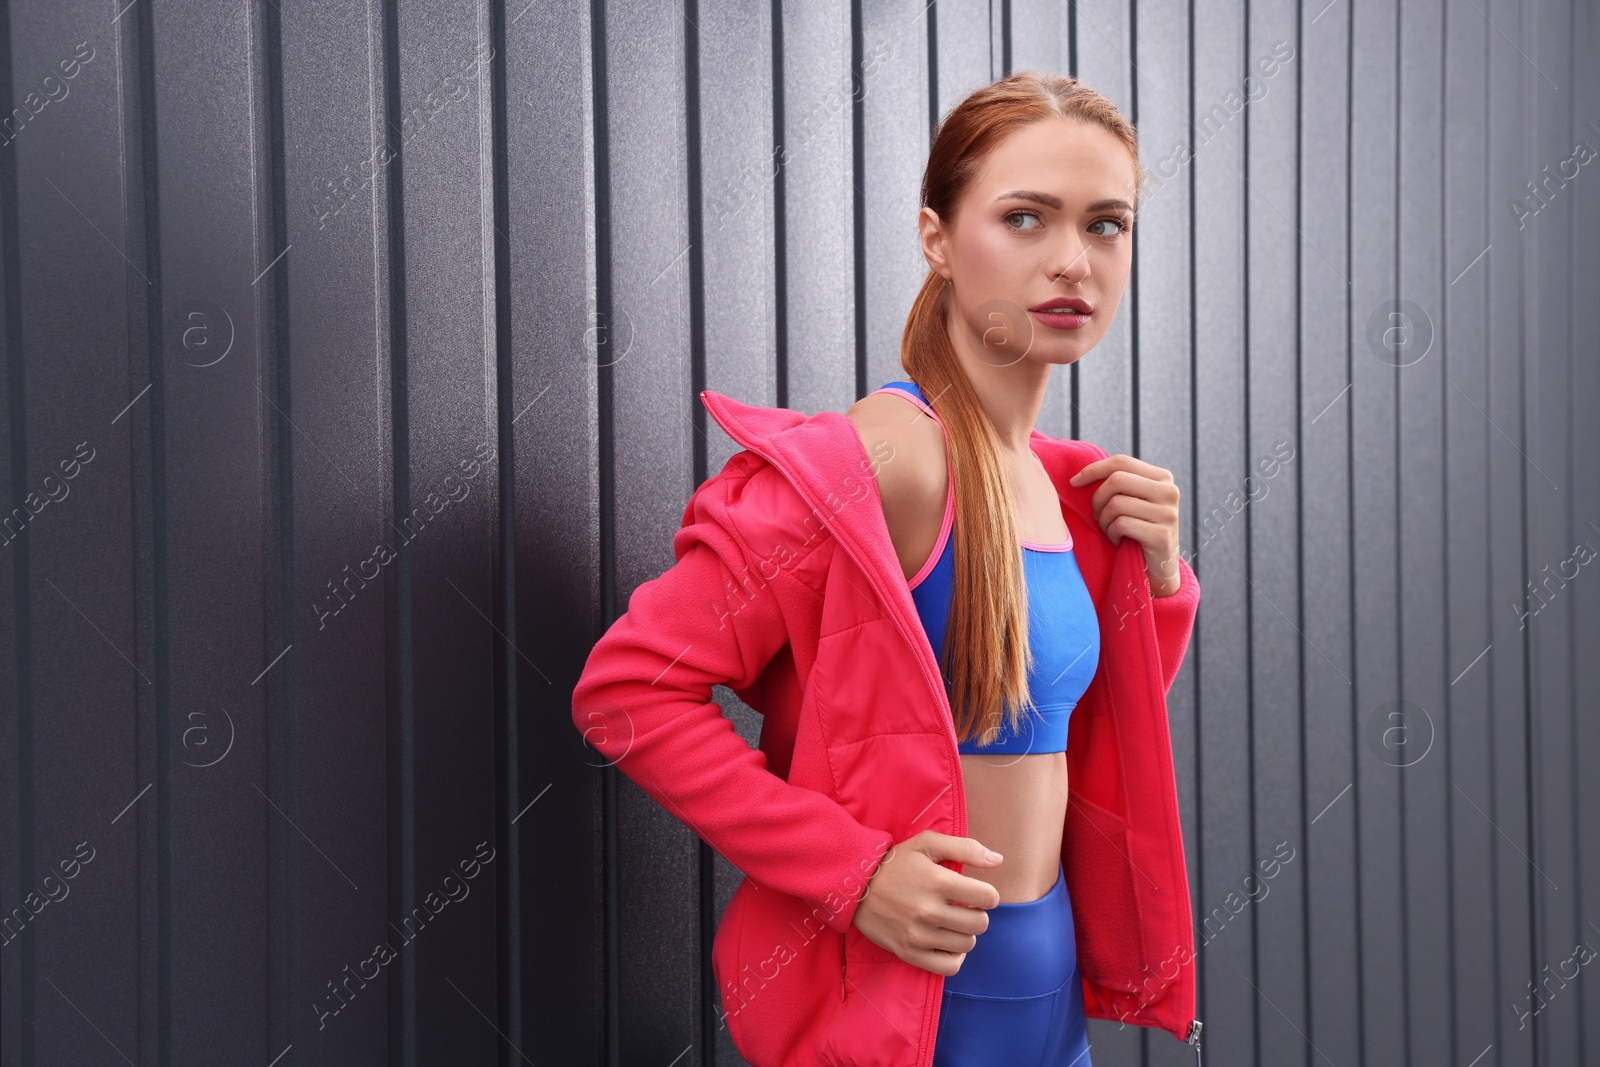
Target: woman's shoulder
[
  {"x": 756, "y": 502},
  {"x": 911, "y": 473},
  {"x": 915, "y": 452}
]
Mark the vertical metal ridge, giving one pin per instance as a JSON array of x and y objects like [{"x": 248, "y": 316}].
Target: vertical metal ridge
[
  {"x": 1573, "y": 730},
  {"x": 508, "y": 787},
  {"x": 1398, "y": 554},
  {"x": 402, "y": 787},
  {"x": 858, "y": 198},
  {"x": 1133, "y": 335},
  {"x": 1300, "y": 508},
  {"x": 1530, "y": 793},
  {"x": 1497, "y": 962},
  {"x": 21, "y": 867},
  {"x": 705, "y": 856},
  {"x": 1074, "y": 429},
  {"x": 281, "y": 743},
  {"x": 1198, "y": 632},
  {"x": 933, "y": 69},
  {"x": 1444, "y": 566},
  {"x": 1350, "y": 510},
  {"x": 606, "y": 498},
  {"x": 695, "y": 216},
  {"x": 780, "y": 226},
  {"x": 1529, "y": 722},
  {"x": 153, "y": 819},
  {"x": 1133, "y": 280},
  {"x": 1005, "y": 36},
  {"x": 1249, "y": 548}
]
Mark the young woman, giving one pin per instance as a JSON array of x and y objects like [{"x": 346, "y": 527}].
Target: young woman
[
  {"x": 1028, "y": 204},
  {"x": 919, "y": 597}
]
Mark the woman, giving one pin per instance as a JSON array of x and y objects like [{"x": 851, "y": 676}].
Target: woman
[{"x": 835, "y": 552}]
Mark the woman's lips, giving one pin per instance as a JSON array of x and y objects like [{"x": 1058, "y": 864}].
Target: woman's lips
[{"x": 1064, "y": 319}]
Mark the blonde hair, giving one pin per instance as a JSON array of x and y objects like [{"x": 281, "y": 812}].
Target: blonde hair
[{"x": 986, "y": 651}]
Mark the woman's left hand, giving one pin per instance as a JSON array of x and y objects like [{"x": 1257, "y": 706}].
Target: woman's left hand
[{"x": 1139, "y": 500}]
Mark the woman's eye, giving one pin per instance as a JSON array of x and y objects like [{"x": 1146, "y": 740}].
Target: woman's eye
[
  {"x": 1121, "y": 227},
  {"x": 1022, "y": 215}
]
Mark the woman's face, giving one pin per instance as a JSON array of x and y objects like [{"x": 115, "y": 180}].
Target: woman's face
[{"x": 1046, "y": 222}]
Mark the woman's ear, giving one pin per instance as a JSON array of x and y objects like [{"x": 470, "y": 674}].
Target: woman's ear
[{"x": 934, "y": 240}]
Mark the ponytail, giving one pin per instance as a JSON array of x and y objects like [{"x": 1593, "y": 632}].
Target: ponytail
[{"x": 986, "y": 657}]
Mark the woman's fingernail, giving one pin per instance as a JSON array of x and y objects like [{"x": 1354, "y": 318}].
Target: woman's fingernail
[{"x": 992, "y": 855}]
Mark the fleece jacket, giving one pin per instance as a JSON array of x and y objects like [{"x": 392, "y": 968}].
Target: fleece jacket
[{"x": 787, "y": 590}]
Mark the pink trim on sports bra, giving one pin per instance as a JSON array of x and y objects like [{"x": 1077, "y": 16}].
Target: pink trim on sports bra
[
  {"x": 950, "y": 502},
  {"x": 1060, "y": 546}
]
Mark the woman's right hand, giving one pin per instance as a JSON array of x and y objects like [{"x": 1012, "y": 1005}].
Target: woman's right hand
[{"x": 925, "y": 913}]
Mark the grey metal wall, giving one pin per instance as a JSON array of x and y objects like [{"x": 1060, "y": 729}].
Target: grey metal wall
[{"x": 351, "y": 355}]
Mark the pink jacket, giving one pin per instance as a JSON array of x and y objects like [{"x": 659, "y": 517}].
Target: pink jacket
[{"x": 787, "y": 590}]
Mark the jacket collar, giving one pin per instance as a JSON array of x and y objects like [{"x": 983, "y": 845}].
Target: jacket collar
[
  {"x": 822, "y": 454},
  {"x": 823, "y": 457}
]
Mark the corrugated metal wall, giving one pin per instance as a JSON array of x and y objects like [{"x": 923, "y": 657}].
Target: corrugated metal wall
[{"x": 351, "y": 356}]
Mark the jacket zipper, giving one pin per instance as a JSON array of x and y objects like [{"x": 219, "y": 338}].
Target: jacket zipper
[
  {"x": 1153, "y": 639},
  {"x": 931, "y": 677}
]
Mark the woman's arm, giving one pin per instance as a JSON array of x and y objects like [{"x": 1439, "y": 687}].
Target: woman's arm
[
  {"x": 1174, "y": 617},
  {"x": 644, "y": 702},
  {"x": 1139, "y": 500}
]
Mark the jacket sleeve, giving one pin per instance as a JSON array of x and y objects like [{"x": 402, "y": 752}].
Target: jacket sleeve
[
  {"x": 644, "y": 702},
  {"x": 1174, "y": 618}
]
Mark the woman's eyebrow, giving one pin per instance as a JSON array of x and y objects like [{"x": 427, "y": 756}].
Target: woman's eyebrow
[{"x": 1054, "y": 202}]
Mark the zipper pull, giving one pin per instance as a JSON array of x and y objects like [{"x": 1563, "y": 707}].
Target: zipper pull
[
  {"x": 1194, "y": 1039},
  {"x": 844, "y": 971}
]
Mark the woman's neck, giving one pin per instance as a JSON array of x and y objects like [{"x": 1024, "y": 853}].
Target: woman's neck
[{"x": 1010, "y": 389}]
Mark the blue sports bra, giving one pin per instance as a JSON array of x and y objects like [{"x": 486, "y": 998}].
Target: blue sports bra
[{"x": 1063, "y": 627}]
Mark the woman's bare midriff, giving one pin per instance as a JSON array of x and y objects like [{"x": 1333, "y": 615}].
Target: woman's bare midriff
[{"x": 1016, "y": 804}]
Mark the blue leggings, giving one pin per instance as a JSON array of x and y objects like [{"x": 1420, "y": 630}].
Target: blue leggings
[{"x": 1018, "y": 998}]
